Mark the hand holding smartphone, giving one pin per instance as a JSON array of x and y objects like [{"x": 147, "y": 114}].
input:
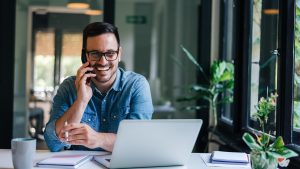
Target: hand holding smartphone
[
  {"x": 88, "y": 80},
  {"x": 84, "y": 60}
]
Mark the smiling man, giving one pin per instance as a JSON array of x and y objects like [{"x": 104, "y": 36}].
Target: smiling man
[{"x": 88, "y": 107}]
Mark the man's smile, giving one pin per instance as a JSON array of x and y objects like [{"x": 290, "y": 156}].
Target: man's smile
[{"x": 101, "y": 68}]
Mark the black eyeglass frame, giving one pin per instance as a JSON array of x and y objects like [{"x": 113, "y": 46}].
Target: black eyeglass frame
[{"x": 104, "y": 54}]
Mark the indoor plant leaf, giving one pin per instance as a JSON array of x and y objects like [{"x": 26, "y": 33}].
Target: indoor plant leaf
[
  {"x": 200, "y": 88},
  {"x": 193, "y": 60},
  {"x": 226, "y": 76},
  {"x": 265, "y": 139},
  {"x": 286, "y": 153},
  {"x": 278, "y": 143},
  {"x": 250, "y": 141}
]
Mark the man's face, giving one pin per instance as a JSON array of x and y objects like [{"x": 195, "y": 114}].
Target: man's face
[{"x": 105, "y": 70}]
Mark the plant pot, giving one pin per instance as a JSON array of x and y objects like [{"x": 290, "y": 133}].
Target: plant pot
[{"x": 260, "y": 160}]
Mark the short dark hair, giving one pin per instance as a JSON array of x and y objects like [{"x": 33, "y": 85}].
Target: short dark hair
[{"x": 98, "y": 28}]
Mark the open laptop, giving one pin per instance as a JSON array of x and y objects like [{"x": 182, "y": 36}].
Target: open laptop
[{"x": 152, "y": 143}]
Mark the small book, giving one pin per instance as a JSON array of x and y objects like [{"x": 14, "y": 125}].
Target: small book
[
  {"x": 222, "y": 157},
  {"x": 65, "y": 161}
]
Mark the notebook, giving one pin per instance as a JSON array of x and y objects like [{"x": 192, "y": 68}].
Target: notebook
[
  {"x": 65, "y": 161},
  {"x": 219, "y": 157},
  {"x": 152, "y": 143}
]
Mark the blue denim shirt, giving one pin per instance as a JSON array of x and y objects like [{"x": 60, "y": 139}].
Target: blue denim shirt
[{"x": 129, "y": 98}]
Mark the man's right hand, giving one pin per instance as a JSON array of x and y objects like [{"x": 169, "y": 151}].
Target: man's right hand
[{"x": 83, "y": 86}]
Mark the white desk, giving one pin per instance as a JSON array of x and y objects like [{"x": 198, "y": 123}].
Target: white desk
[{"x": 195, "y": 161}]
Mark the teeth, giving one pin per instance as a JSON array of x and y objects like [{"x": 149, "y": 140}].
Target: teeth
[{"x": 102, "y": 68}]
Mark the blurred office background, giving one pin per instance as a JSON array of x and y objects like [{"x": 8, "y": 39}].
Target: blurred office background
[
  {"x": 48, "y": 42},
  {"x": 41, "y": 45}
]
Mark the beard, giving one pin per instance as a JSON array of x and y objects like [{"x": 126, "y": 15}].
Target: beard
[{"x": 105, "y": 73}]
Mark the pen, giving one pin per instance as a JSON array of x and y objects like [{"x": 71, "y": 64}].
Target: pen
[{"x": 66, "y": 133}]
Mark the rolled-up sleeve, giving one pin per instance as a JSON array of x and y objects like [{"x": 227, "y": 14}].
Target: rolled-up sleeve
[
  {"x": 141, "y": 106},
  {"x": 59, "y": 107}
]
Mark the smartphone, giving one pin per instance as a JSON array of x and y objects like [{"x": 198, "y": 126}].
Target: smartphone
[
  {"x": 83, "y": 56},
  {"x": 84, "y": 60}
]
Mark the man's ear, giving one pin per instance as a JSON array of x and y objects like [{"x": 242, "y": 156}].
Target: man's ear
[{"x": 120, "y": 53}]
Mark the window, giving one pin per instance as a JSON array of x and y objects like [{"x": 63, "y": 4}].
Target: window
[
  {"x": 227, "y": 48},
  {"x": 296, "y": 100},
  {"x": 43, "y": 57},
  {"x": 264, "y": 45},
  {"x": 57, "y": 49},
  {"x": 71, "y": 50}
]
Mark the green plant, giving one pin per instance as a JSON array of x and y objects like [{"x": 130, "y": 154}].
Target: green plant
[
  {"x": 276, "y": 151},
  {"x": 221, "y": 81}
]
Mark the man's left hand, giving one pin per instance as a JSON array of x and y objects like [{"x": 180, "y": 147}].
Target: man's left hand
[{"x": 81, "y": 134}]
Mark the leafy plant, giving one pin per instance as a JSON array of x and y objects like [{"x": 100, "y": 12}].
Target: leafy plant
[
  {"x": 261, "y": 145},
  {"x": 221, "y": 81}
]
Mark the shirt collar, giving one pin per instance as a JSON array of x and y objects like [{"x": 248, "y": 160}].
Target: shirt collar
[{"x": 117, "y": 86}]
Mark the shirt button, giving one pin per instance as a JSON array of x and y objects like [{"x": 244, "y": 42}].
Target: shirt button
[
  {"x": 104, "y": 120},
  {"x": 89, "y": 119},
  {"x": 114, "y": 116}
]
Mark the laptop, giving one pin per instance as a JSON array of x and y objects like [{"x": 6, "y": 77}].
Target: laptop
[{"x": 152, "y": 143}]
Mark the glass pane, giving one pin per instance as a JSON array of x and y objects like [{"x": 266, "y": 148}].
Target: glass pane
[
  {"x": 151, "y": 33},
  {"x": 263, "y": 57},
  {"x": 228, "y": 49},
  {"x": 296, "y": 124},
  {"x": 44, "y": 61},
  {"x": 41, "y": 61},
  {"x": 71, "y": 50}
]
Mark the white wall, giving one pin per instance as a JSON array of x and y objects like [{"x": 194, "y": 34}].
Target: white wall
[
  {"x": 180, "y": 22},
  {"x": 126, "y": 31},
  {"x": 215, "y": 26}
]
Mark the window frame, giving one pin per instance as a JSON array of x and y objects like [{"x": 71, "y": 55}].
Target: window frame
[
  {"x": 242, "y": 69},
  {"x": 225, "y": 122},
  {"x": 284, "y": 113},
  {"x": 286, "y": 70}
]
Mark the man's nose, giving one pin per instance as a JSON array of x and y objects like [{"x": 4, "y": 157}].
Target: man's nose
[{"x": 102, "y": 60}]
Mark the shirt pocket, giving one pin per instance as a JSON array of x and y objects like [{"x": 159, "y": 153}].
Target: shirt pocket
[
  {"x": 89, "y": 118},
  {"x": 117, "y": 116}
]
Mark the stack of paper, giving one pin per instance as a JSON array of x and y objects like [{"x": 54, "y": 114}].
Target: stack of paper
[
  {"x": 221, "y": 157},
  {"x": 226, "y": 160},
  {"x": 65, "y": 161}
]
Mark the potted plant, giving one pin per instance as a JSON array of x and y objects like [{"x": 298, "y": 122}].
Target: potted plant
[
  {"x": 221, "y": 81},
  {"x": 263, "y": 154}
]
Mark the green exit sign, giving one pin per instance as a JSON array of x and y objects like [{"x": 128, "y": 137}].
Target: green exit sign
[{"x": 135, "y": 19}]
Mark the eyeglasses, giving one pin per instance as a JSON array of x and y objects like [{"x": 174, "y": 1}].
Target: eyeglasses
[{"x": 109, "y": 55}]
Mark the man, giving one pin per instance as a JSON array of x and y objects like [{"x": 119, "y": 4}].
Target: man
[{"x": 88, "y": 108}]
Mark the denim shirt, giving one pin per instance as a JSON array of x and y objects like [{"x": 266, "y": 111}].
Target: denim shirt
[{"x": 129, "y": 98}]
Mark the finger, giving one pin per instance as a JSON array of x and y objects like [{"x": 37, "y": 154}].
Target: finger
[
  {"x": 77, "y": 137},
  {"x": 71, "y": 126},
  {"x": 76, "y": 131},
  {"x": 82, "y": 67},
  {"x": 84, "y": 130},
  {"x": 61, "y": 135},
  {"x": 84, "y": 78},
  {"x": 81, "y": 71},
  {"x": 78, "y": 142}
]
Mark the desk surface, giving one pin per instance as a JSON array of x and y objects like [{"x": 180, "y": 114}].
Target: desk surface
[{"x": 195, "y": 161}]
